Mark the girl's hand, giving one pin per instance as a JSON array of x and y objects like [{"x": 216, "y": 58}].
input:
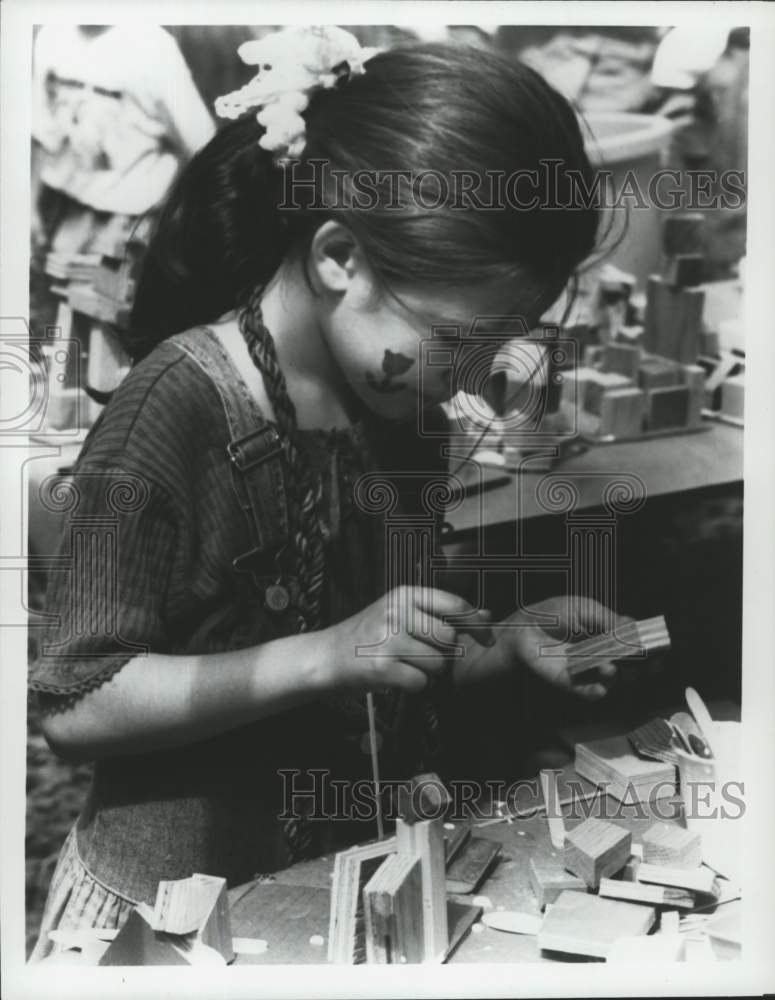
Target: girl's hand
[
  {"x": 399, "y": 641},
  {"x": 570, "y": 615}
]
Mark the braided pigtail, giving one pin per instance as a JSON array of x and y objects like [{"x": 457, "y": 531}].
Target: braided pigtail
[{"x": 304, "y": 495}]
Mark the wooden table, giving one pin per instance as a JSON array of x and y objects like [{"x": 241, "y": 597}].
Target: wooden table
[
  {"x": 665, "y": 465},
  {"x": 289, "y": 911}
]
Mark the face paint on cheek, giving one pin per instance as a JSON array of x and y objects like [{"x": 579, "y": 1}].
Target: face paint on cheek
[{"x": 393, "y": 364}]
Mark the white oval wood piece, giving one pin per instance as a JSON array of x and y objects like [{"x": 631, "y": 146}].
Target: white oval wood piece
[{"x": 512, "y": 921}]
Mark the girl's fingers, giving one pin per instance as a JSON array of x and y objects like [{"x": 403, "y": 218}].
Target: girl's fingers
[
  {"x": 430, "y": 630},
  {"x": 407, "y": 678},
  {"x": 440, "y": 603}
]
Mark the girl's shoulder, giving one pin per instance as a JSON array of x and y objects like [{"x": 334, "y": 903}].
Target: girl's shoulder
[{"x": 167, "y": 415}]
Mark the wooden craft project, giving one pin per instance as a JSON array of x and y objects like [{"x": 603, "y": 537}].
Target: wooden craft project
[
  {"x": 641, "y": 892},
  {"x": 548, "y": 878},
  {"x": 635, "y": 639},
  {"x": 352, "y": 870},
  {"x": 190, "y": 914},
  {"x": 588, "y": 925},
  {"x": 425, "y": 840},
  {"x": 468, "y": 870},
  {"x": 392, "y": 904},
  {"x": 698, "y": 880},
  {"x": 598, "y": 383},
  {"x": 596, "y": 848},
  {"x": 611, "y": 763},
  {"x": 672, "y": 846}
]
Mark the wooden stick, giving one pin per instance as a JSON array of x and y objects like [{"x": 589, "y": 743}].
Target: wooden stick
[
  {"x": 698, "y": 879},
  {"x": 375, "y": 762},
  {"x": 553, "y": 816}
]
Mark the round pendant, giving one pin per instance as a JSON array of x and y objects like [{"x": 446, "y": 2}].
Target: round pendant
[{"x": 277, "y": 597}]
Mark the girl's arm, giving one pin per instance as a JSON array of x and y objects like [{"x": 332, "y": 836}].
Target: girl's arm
[{"x": 160, "y": 700}]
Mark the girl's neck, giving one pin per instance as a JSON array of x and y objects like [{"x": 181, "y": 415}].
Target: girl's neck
[{"x": 315, "y": 383}]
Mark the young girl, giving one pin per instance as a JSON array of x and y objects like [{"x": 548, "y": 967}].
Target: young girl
[{"x": 232, "y": 628}]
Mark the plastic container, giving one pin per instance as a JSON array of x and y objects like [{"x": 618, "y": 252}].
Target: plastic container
[{"x": 633, "y": 148}]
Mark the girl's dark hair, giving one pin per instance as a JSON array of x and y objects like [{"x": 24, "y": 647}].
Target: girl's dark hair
[
  {"x": 427, "y": 110},
  {"x": 426, "y": 107}
]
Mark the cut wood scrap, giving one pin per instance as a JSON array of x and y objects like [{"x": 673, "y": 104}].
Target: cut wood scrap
[
  {"x": 460, "y": 919},
  {"x": 669, "y": 922},
  {"x": 672, "y": 846},
  {"x": 425, "y": 839},
  {"x": 632, "y": 639},
  {"x": 249, "y": 946},
  {"x": 611, "y": 764},
  {"x": 643, "y": 948},
  {"x": 470, "y": 867},
  {"x": 583, "y": 924},
  {"x": 641, "y": 892},
  {"x": 512, "y": 921},
  {"x": 595, "y": 849},
  {"x": 553, "y": 815},
  {"x": 548, "y": 879},
  {"x": 698, "y": 880}
]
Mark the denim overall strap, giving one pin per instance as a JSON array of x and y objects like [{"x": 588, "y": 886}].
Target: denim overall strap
[{"x": 256, "y": 456}]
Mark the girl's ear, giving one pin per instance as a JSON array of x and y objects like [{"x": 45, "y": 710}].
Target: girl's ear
[{"x": 335, "y": 258}]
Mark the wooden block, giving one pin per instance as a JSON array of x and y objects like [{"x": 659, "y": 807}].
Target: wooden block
[
  {"x": 654, "y": 313},
  {"x": 548, "y": 879},
  {"x": 733, "y": 397},
  {"x": 596, "y": 848},
  {"x": 137, "y": 943},
  {"x": 393, "y": 912},
  {"x": 685, "y": 270},
  {"x": 621, "y": 359},
  {"x": 688, "y": 325},
  {"x": 468, "y": 870},
  {"x": 667, "y": 407},
  {"x": 423, "y": 797},
  {"x": 669, "y": 922},
  {"x": 698, "y": 880},
  {"x": 597, "y": 384},
  {"x": 582, "y": 924},
  {"x": 425, "y": 839},
  {"x": 693, "y": 377},
  {"x": 641, "y": 892},
  {"x": 622, "y": 412},
  {"x": 671, "y": 846},
  {"x": 710, "y": 343},
  {"x": 654, "y": 373},
  {"x": 611, "y": 763}
]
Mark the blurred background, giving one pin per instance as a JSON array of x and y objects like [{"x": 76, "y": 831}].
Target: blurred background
[{"x": 105, "y": 153}]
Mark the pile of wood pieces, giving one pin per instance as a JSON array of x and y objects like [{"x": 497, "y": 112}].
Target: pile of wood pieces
[
  {"x": 389, "y": 900},
  {"x": 661, "y": 375}
]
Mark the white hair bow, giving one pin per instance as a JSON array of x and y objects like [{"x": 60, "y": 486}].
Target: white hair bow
[{"x": 291, "y": 64}]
